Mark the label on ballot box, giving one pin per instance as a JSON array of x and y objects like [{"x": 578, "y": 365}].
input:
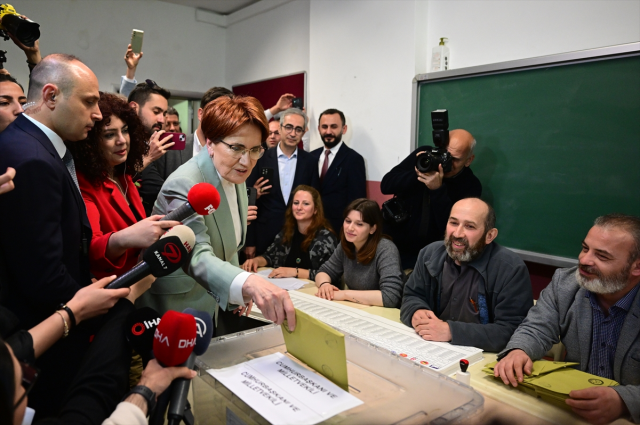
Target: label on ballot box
[{"x": 284, "y": 392}]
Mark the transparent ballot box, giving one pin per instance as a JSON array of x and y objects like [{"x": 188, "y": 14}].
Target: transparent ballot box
[{"x": 394, "y": 390}]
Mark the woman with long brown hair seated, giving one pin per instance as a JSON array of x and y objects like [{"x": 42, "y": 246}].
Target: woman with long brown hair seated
[
  {"x": 105, "y": 162},
  {"x": 305, "y": 242},
  {"x": 369, "y": 262}
]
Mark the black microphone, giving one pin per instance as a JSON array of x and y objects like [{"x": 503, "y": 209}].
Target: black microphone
[
  {"x": 163, "y": 257},
  {"x": 180, "y": 387},
  {"x": 140, "y": 327}
]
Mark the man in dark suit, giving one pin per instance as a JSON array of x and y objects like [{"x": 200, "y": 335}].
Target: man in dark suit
[
  {"x": 44, "y": 246},
  {"x": 343, "y": 176},
  {"x": 291, "y": 166}
]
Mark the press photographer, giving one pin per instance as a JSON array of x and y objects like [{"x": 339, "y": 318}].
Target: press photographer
[{"x": 426, "y": 184}]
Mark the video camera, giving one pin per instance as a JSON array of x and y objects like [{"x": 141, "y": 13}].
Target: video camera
[
  {"x": 25, "y": 30},
  {"x": 434, "y": 156}
]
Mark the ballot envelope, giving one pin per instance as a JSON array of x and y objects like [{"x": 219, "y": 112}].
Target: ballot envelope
[{"x": 393, "y": 389}]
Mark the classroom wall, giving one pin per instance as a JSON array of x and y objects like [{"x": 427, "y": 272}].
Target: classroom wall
[
  {"x": 489, "y": 31},
  {"x": 179, "y": 53},
  {"x": 272, "y": 44}
]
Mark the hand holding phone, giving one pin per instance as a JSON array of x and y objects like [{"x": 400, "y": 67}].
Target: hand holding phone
[{"x": 180, "y": 139}]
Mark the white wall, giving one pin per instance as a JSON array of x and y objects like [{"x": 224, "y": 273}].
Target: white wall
[
  {"x": 268, "y": 45},
  {"x": 489, "y": 31},
  {"x": 179, "y": 53},
  {"x": 362, "y": 62}
]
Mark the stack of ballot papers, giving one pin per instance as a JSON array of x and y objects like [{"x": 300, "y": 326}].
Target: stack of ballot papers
[{"x": 553, "y": 381}]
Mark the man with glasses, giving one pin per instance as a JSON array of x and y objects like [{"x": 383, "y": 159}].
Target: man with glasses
[
  {"x": 343, "y": 176},
  {"x": 150, "y": 102},
  {"x": 172, "y": 121},
  {"x": 291, "y": 166}
]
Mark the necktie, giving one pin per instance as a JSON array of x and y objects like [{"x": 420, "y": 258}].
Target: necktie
[
  {"x": 71, "y": 167},
  {"x": 325, "y": 166}
]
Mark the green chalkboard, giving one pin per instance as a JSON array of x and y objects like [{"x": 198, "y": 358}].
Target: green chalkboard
[{"x": 557, "y": 146}]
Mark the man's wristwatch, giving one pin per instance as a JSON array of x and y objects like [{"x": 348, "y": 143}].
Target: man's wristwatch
[{"x": 147, "y": 394}]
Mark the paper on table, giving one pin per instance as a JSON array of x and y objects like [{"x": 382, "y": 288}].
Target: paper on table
[
  {"x": 288, "y": 283},
  {"x": 284, "y": 392},
  {"x": 319, "y": 346}
]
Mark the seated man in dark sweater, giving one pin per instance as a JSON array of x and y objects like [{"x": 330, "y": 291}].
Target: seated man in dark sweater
[
  {"x": 429, "y": 197},
  {"x": 468, "y": 290}
]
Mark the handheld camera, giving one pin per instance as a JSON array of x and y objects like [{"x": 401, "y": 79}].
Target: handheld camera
[
  {"x": 439, "y": 154},
  {"x": 25, "y": 30}
]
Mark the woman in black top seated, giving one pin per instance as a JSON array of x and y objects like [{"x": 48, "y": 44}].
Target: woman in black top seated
[{"x": 305, "y": 242}]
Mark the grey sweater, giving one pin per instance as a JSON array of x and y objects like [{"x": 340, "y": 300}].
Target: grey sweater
[{"x": 384, "y": 273}]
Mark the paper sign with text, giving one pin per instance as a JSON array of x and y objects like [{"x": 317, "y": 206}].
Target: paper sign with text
[{"x": 284, "y": 392}]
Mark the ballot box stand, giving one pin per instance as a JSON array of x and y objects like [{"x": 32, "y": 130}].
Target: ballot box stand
[{"x": 394, "y": 390}]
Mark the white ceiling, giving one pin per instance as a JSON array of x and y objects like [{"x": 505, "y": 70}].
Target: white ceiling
[{"x": 222, "y": 7}]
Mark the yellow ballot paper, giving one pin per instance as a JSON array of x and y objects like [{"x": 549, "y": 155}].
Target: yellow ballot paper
[
  {"x": 319, "y": 346},
  {"x": 553, "y": 381}
]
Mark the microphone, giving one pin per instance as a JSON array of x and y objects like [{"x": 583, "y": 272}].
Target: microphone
[
  {"x": 163, "y": 257},
  {"x": 174, "y": 338},
  {"x": 180, "y": 387},
  {"x": 140, "y": 326},
  {"x": 203, "y": 198}
]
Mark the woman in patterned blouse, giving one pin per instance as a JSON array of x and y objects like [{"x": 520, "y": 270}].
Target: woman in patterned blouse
[{"x": 305, "y": 242}]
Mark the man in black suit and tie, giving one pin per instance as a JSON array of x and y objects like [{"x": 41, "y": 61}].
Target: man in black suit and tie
[
  {"x": 291, "y": 166},
  {"x": 342, "y": 172},
  {"x": 46, "y": 237}
]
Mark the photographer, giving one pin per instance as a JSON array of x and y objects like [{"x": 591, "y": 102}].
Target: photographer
[{"x": 428, "y": 197}]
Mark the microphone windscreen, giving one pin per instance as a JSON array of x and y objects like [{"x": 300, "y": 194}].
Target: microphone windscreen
[
  {"x": 204, "y": 198},
  {"x": 204, "y": 325},
  {"x": 174, "y": 338},
  {"x": 186, "y": 235},
  {"x": 165, "y": 256},
  {"x": 140, "y": 326}
]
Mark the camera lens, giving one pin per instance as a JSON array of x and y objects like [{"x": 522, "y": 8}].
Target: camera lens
[
  {"x": 25, "y": 30},
  {"x": 426, "y": 162}
]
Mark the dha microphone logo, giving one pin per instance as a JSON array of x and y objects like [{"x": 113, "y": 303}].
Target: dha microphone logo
[
  {"x": 210, "y": 210},
  {"x": 162, "y": 338},
  {"x": 172, "y": 253},
  {"x": 185, "y": 343},
  {"x": 201, "y": 327},
  {"x": 138, "y": 328}
]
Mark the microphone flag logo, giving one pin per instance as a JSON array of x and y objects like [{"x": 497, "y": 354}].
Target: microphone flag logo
[{"x": 172, "y": 253}]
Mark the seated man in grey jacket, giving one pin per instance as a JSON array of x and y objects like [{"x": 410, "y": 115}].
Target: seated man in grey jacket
[
  {"x": 468, "y": 290},
  {"x": 594, "y": 309}
]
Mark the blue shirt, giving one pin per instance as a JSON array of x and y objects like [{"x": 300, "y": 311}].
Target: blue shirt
[
  {"x": 606, "y": 331},
  {"x": 286, "y": 171}
]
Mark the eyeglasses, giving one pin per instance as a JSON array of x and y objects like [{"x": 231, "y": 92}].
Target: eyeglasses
[
  {"x": 289, "y": 128},
  {"x": 237, "y": 151},
  {"x": 274, "y": 133},
  {"x": 29, "y": 377}
]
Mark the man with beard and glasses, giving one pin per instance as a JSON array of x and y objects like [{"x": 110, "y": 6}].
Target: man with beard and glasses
[
  {"x": 343, "y": 176},
  {"x": 150, "y": 102},
  {"x": 428, "y": 197},
  {"x": 594, "y": 309},
  {"x": 468, "y": 290}
]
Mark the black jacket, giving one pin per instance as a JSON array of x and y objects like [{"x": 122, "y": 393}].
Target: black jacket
[
  {"x": 42, "y": 260},
  {"x": 403, "y": 182},
  {"x": 346, "y": 180},
  {"x": 271, "y": 207}
]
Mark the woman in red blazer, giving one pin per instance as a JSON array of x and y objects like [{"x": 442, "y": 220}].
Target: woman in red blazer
[{"x": 105, "y": 163}]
